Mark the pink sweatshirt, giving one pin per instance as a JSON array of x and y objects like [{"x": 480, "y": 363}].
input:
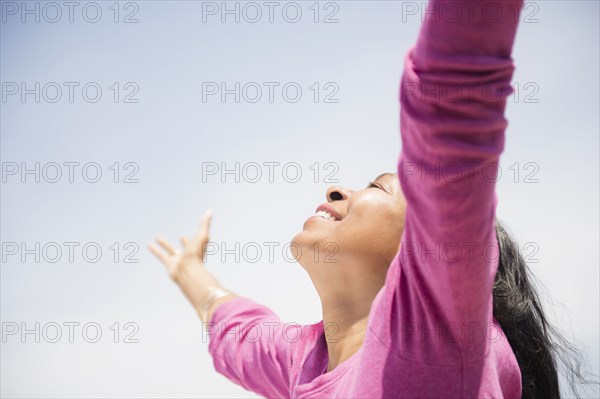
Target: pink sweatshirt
[{"x": 431, "y": 332}]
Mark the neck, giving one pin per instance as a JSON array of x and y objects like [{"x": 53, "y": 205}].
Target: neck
[{"x": 345, "y": 314}]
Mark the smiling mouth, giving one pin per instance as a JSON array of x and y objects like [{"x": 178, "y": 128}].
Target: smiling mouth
[{"x": 326, "y": 215}]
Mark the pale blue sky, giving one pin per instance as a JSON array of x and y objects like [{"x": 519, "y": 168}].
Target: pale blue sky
[{"x": 170, "y": 133}]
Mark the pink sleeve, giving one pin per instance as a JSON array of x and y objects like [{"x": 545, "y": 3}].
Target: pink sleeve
[
  {"x": 252, "y": 347},
  {"x": 437, "y": 301}
]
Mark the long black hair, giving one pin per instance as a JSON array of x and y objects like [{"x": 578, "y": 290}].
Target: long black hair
[{"x": 541, "y": 350}]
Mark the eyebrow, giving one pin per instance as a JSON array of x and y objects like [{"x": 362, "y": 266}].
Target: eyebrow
[{"x": 384, "y": 175}]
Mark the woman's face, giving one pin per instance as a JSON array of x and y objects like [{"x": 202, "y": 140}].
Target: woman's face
[{"x": 354, "y": 227}]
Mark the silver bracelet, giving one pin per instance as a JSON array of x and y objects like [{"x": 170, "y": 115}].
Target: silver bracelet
[{"x": 215, "y": 293}]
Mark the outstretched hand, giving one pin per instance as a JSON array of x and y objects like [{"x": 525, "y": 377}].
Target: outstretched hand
[
  {"x": 187, "y": 269},
  {"x": 192, "y": 254}
]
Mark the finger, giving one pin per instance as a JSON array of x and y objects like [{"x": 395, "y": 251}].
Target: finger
[
  {"x": 166, "y": 245},
  {"x": 158, "y": 253},
  {"x": 184, "y": 241},
  {"x": 201, "y": 237}
]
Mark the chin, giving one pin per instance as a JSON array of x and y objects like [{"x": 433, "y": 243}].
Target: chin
[
  {"x": 312, "y": 248},
  {"x": 299, "y": 246}
]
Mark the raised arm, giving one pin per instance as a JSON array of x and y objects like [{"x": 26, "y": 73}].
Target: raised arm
[
  {"x": 438, "y": 293},
  {"x": 248, "y": 342}
]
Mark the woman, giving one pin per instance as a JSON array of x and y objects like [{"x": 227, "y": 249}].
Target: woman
[{"x": 416, "y": 301}]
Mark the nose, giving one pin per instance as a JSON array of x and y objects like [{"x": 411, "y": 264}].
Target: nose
[{"x": 337, "y": 193}]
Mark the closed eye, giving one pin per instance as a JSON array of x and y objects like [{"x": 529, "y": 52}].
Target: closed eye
[{"x": 377, "y": 185}]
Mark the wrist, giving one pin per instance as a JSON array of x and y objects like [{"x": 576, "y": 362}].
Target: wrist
[
  {"x": 195, "y": 283},
  {"x": 215, "y": 295}
]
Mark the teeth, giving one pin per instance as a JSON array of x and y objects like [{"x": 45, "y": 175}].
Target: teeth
[{"x": 326, "y": 215}]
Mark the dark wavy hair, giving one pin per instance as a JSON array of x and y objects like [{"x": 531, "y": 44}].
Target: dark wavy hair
[{"x": 541, "y": 350}]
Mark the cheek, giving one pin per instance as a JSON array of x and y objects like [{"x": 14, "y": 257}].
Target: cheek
[
  {"x": 375, "y": 226},
  {"x": 379, "y": 230}
]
